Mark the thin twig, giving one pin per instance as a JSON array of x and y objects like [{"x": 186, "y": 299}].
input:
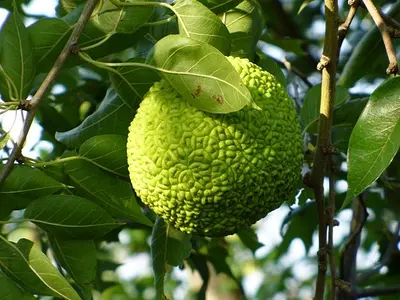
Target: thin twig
[
  {"x": 327, "y": 65},
  {"x": 348, "y": 261},
  {"x": 294, "y": 70},
  {"x": 377, "y": 291},
  {"x": 47, "y": 82},
  {"x": 331, "y": 215},
  {"x": 387, "y": 256},
  {"x": 344, "y": 28},
  {"x": 387, "y": 39}
]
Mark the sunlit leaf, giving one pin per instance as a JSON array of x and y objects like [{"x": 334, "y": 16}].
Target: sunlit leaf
[
  {"x": 220, "y": 6},
  {"x": 33, "y": 270},
  {"x": 375, "y": 139},
  {"x": 201, "y": 74},
  {"x": 202, "y": 25}
]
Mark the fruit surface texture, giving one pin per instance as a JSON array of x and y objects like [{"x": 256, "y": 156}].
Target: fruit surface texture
[{"x": 215, "y": 174}]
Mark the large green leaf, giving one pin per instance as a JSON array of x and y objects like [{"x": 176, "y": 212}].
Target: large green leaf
[
  {"x": 25, "y": 184},
  {"x": 124, "y": 19},
  {"x": 132, "y": 82},
  {"x": 245, "y": 24},
  {"x": 220, "y": 6},
  {"x": 311, "y": 106},
  {"x": 16, "y": 58},
  {"x": 9, "y": 290},
  {"x": 201, "y": 74},
  {"x": 32, "y": 269},
  {"x": 112, "y": 117},
  {"x": 113, "y": 194},
  {"x": 249, "y": 239},
  {"x": 70, "y": 217},
  {"x": 375, "y": 139},
  {"x": 108, "y": 151},
  {"x": 201, "y": 24},
  {"x": 168, "y": 246},
  {"x": 78, "y": 258}
]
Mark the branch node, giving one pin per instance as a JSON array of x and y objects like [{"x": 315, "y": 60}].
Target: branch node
[
  {"x": 323, "y": 62},
  {"x": 25, "y": 105},
  {"x": 393, "y": 68}
]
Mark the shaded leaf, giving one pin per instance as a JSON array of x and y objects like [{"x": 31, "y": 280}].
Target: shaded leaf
[
  {"x": 108, "y": 151},
  {"x": 245, "y": 23},
  {"x": 201, "y": 74},
  {"x": 25, "y": 184},
  {"x": 70, "y": 217},
  {"x": 33, "y": 270},
  {"x": 78, "y": 258},
  {"x": 132, "y": 83},
  {"x": 202, "y": 25},
  {"x": 311, "y": 106},
  {"x": 218, "y": 6},
  {"x": 112, "y": 117},
  {"x": 114, "y": 195},
  {"x": 375, "y": 139},
  {"x": 168, "y": 246},
  {"x": 269, "y": 65},
  {"x": 249, "y": 239},
  {"x": 16, "y": 57},
  {"x": 9, "y": 290}
]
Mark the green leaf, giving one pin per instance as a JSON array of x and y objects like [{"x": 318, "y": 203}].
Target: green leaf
[
  {"x": 201, "y": 74},
  {"x": 16, "y": 58},
  {"x": 311, "y": 106},
  {"x": 348, "y": 112},
  {"x": 375, "y": 139},
  {"x": 114, "y": 195},
  {"x": 132, "y": 83},
  {"x": 218, "y": 6},
  {"x": 202, "y": 25},
  {"x": 33, "y": 270},
  {"x": 25, "y": 184},
  {"x": 168, "y": 246},
  {"x": 107, "y": 150},
  {"x": 9, "y": 290},
  {"x": 70, "y": 216},
  {"x": 112, "y": 117},
  {"x": 78, "y": 258},
  {"x": 245, "y": 24},
  {"x": 249, "y": 239},
  {"x": 124, "y": 19},
  {"x": 303, "y": 5}
]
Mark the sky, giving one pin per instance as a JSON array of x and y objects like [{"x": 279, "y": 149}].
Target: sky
[{"x": 268, "y": 229}]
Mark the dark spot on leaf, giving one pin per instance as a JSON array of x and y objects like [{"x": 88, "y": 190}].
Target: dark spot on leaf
[
  {"x": 197, "y": 92},
  {"x": 219, "y": 99}
]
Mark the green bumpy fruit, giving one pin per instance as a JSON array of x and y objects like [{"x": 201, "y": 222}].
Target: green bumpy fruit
[{"x": 214, "y": 174}]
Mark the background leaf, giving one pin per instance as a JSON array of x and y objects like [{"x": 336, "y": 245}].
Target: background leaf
[
  {"x": 9, "y": 290},
  {"x": 71, "y": 217},
  {"x": 107, "y": 150},
  {"x": 168, "y": 246},
  {"x": 375, "y": 139},
  {"x": 201, "y": 74},
  {"x": 78, "y": 258},
  {"x": 202, "y": 25},
  {"x": 16, "y": 57},
  {"x": 114, "y": 195}
]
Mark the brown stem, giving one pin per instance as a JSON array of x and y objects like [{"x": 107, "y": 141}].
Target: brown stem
[
  {"x": 349, "y": 253},
  {"x": 344, "y": 28},
  {"x": 377, "y": 291},
  {"x": 328, "y": 67},
  {"x": 47, "y": 82},
  {"x": 387, "y": 40},
  {"x": 331, "y": 215}
]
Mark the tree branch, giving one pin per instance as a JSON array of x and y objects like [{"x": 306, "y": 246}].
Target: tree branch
[
  {"x": 386, "y": 37},
  {"x": 328, "y": 67},
  {"x": 377, "y": 291},
  {"x": 331, "y": 215},
  {"x": 344, "y": 27},
  {"x": 69, "y": 48},
  {"x": 348, "y": 261}
]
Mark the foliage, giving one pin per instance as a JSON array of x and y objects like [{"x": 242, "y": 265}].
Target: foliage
[{"x": 69, "y": 216}]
